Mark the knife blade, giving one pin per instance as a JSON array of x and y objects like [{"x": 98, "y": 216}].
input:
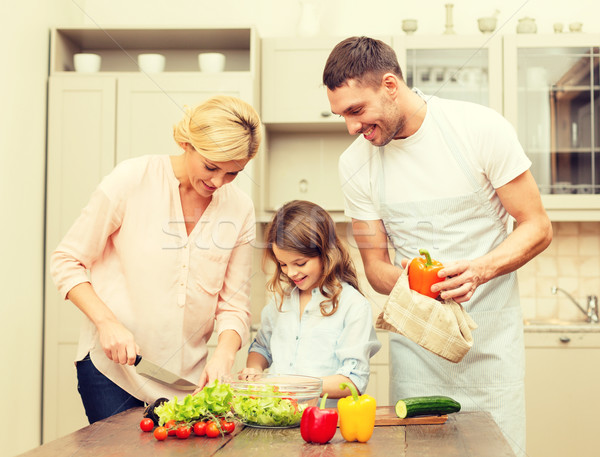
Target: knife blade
[{"x": 157, "y": 373}]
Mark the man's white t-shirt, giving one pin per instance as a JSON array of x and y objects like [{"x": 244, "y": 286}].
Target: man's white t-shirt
[{"x": 422, "y": 166}]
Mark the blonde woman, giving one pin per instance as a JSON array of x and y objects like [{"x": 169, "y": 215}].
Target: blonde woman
[{"x": 166, "y": 242}]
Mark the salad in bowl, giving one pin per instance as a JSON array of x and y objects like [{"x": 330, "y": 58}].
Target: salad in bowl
[{"x": 273, "y": 400}]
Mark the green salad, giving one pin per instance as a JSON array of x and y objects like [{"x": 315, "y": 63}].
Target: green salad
[
  {"x": 213, "y": 400},
  {"x": 265, "y": 407}
]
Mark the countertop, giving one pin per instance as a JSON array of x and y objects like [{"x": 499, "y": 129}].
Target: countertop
[
  {"x": 465, "y": 434},
  {"x": 556, "y": 326}
]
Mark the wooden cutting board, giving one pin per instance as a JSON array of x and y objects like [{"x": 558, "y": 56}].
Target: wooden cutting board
[{"x": 385, "y": 415}]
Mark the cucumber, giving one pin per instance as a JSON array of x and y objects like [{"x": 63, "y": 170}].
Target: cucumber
[{"x": 434, "y": 405}]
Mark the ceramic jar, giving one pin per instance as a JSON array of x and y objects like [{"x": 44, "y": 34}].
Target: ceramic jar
[
  {"x": 526, "y": 25},
  {"x": 409, "y": 26}
]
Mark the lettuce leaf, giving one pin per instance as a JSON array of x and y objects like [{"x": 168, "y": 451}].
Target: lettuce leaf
[
  {"x": 260, "y": 408},
  {"x": 212, "y": 400}
]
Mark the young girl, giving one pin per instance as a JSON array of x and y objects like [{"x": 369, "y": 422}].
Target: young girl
[{"x": 318, "y": 323}]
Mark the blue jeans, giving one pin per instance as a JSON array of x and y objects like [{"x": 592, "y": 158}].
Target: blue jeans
[{"x": 101, "y": 397}]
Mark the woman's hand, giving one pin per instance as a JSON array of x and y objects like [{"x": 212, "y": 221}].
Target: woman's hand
[
  {"x": 216, "y": 367},
  {"x": 220, "y": 363},
  {"x": 117, "y": 342}
]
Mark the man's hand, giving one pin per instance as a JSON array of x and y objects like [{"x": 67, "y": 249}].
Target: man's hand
[{"x": 462, "y": 279}]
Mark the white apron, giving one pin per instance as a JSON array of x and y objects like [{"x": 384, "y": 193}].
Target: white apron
[{"x": 491, "y": 376}]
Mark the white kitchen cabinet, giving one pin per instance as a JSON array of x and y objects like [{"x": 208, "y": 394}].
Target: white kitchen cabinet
[
  {"x": 304, "y": 166},
  {"x": 97, "y": 120},
  {"x": 552, "y": 97},
  {"x": 561, "y": 392},
  {"x": 81, "y": 138},
  {"x": 148, "y": 108},
  {"x": 460, "y": 67},
  {"x": 292, "y": 88}
]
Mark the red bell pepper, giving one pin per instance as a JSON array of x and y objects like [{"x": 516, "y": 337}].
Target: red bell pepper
[
  {"x": 318, "y": 425},
  {"x": 423, "y": 273}
]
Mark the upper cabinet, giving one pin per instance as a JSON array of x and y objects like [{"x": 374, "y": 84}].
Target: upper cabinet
[
  {"x": 292, "y": 88},
  {"x": 459, "y": 67},
  {"x": 552, "y": 97},
  {"x": 293, "y": 94}
]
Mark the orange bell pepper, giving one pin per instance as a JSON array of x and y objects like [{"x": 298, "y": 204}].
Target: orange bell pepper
[{"x": 423, "y": 273}]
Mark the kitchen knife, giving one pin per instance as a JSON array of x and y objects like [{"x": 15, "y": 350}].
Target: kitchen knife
[{"x": 157, "y": 373}]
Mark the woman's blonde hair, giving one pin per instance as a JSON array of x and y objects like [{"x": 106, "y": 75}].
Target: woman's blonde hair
[
  {"x": 308, "y": 229},
  {"x": 223, "y": 128}
]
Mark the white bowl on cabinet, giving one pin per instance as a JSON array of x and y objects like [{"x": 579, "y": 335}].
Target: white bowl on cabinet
[{"x": 85, "y": 62}]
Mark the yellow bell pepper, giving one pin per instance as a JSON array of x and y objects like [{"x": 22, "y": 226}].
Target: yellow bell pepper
[{"x": 357, "y": 415}]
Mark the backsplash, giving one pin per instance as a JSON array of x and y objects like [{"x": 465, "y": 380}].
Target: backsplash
[{"x": 571, "y": 262}]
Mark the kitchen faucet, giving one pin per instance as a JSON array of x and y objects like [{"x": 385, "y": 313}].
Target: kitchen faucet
[{"x": 592, "y": 304}]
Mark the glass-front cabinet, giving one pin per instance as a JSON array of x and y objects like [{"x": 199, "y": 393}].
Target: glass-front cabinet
[
  {"x": 460, "y": 67},
  {"x": 552, "y": 97}
]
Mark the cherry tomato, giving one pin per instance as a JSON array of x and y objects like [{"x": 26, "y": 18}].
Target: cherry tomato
[
  {"x": 170, "y": 426},
  {"x": 160, "y": 433},
  {"x": 147, "y": 424},
  {"x": 200, "y": 428},
  {"x": 183, "y": 431},
  {"x": 212, "y": 431},
  {"x": 227, "y": 427}
]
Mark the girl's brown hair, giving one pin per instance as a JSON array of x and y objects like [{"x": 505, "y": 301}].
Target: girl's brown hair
[{"x": 308, "y": 229}]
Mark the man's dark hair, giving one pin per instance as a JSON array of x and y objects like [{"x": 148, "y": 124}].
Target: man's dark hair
[{"x": 361, "y": 58}]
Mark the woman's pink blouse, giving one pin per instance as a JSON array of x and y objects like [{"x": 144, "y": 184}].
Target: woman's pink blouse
[{"x": 169, "y": 289}]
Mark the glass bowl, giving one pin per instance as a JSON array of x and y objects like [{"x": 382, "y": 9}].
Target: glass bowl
[{"x": 271, "y": 400}]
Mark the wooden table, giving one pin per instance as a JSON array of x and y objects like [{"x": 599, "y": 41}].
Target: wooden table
[{"x": 465, "y": 434}]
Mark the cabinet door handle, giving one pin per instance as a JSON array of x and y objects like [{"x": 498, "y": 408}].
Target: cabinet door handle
[
  {"x": 564, "y": 339},
  {"x": 325, "y": 113}
]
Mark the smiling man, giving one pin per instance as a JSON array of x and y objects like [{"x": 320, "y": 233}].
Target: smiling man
[{"x": 447, "y": 176}]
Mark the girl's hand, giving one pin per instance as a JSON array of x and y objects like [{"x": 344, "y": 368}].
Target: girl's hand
[
  {"x": 251, "y": 370},
  {"x": 250, "y": 373},
  {"x": 118, "y": 343}
]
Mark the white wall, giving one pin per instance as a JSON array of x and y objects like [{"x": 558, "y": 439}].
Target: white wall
[
  {"x": 24, "y": 51},
  {"x": 341, "y": 17},
  {"x": 24, "y": 29}
]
